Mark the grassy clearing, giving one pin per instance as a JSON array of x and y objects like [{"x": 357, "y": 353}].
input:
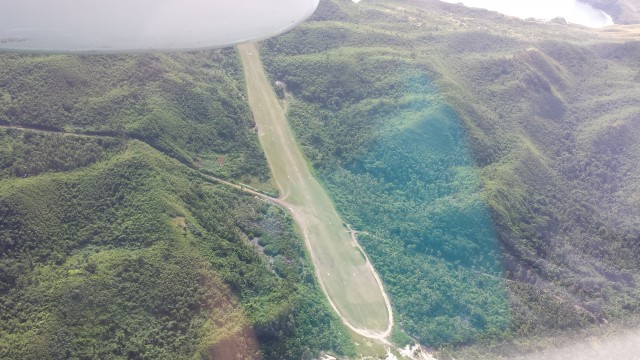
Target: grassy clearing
[{"x": 346, "y": 277}]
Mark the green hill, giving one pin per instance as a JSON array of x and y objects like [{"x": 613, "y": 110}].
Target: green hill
[
  {"x": 191, "y": 108},
  {"x": 492, "y": 162},
  {"x": 114, "y": 245},
  {"x": 490, "y": 165}
]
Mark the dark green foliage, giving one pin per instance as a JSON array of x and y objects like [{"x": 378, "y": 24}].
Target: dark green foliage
[
  {"x": 137, "y": 257},
  {"x": 474, "y": 147},
  {"x": 25, "y": 154},
  {"x": 557, "y": 188},
  {"x": 289, "y": 322},
  {"x": 188, "y": 106},
  {"x": 394, "y": 157},
  {"x": 111, "y": 249},
  {"x": 115, "y": 303}
]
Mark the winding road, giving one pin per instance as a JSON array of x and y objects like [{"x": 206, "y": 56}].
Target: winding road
[{"x": 345, "y": 274}]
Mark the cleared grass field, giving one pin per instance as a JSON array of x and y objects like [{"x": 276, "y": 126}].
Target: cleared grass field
[{"x": 343, "y": 270}]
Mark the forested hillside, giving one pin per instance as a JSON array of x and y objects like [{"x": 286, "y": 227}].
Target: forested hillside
[
  {"x": 191, "y": 108},
  {"x": 490, "y": 163},
  {"x": 113, "y": 243}
]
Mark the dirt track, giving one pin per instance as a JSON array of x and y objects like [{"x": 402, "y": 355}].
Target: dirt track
[
  {"x": 344, "y": 272},
  {"x": 346, "y": 276}
]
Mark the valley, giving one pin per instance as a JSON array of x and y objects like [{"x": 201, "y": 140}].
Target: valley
[{"x": 386, "y": 173}]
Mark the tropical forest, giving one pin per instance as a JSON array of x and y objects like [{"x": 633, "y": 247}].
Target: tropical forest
[{"x": 389, "y": 179}]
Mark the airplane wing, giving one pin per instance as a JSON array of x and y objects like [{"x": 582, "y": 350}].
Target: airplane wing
[{"x": 115, "y": 26}]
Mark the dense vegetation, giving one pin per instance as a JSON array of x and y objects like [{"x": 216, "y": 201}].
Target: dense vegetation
[
  {"x": 111, "y": 248},
  {"x": 25, "y": 154},
  {"x": 394, "y": 156},
  {"x": 191, "y": 108},
  {"x": 491, "y": 164},
  {"x": 491, "y": 161}
]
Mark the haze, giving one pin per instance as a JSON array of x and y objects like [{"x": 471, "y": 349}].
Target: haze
[
  {"x": 572, "y": 11},
  {"x": 622, "y": 346},
  {"x": 143, "y": 25}
]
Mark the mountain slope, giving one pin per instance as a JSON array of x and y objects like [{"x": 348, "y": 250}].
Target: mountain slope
[
  {"x": 492, "y": 161},
  {"x": 191, "y": 108},
  {"x": 113, "y": 243}
]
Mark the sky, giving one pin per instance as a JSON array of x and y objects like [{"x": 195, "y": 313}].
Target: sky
[
  {"x": 141, "y": 25},
  {"x": 571, "y": 10}
]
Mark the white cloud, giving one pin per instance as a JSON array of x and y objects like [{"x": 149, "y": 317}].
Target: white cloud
[{"x": 573, "y": 11}]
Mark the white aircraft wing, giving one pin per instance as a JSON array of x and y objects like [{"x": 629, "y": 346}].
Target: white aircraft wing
[{"x": 112, "y": 26}]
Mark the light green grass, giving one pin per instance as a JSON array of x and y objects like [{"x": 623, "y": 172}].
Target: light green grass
[{"x": 347, "y": 279}]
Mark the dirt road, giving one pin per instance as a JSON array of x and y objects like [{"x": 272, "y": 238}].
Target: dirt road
[{"x": 343, "y": 270}]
